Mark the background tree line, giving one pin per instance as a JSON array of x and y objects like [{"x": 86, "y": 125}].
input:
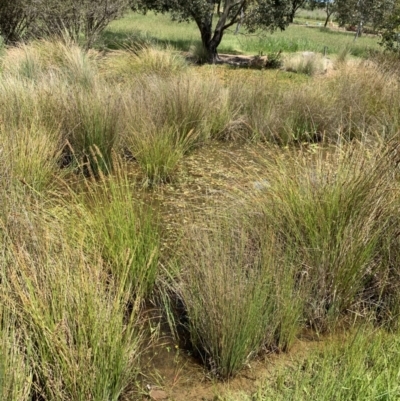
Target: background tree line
[
  {"x": 357, "y": 13},
  {"x": 84, "y": 20}
]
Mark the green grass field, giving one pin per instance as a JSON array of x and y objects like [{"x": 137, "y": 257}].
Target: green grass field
[{"x": 160, "y": 29}]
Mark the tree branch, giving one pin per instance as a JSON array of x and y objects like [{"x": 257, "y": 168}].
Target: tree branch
[
  {"x": 235, "y": 18},
  {"x": 221, "y": 26}
]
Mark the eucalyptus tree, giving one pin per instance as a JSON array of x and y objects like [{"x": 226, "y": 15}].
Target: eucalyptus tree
[
  {"x": 362, "y": 12},
  {"x": 253, "y": 14},
  {"x": 330, "y": 7},
  {"x": 296, "y": 5}
]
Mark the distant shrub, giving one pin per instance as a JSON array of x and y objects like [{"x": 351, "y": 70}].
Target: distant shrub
[
  {"x": 17, "y": 18},
  {"x": 308, "y": 63},
  {"x": 143, "y": 59},
  {"x": 74, "y": 19},
  {"x": 274, "y": 60}
]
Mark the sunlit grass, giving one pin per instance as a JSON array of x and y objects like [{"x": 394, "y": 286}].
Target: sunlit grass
[
  {"x": 360, "y": 366},
  {"x": 139, "y": 59},
  {"x": 15, "y": 372},
  {"x": 294, "y": 38},
  {"x": 31, "y": 155},
  {"x": 70, "y": 317},
  {"x": 330, "y": 209}
]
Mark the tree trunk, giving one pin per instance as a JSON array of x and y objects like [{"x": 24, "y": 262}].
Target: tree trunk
[
  {"x": 208, "y": 43},
  {"x": 211, "y": 40},
  {"x": 213, "y": 45},
  {"x": 291, "y": 16},
  {"x": 329, "y": 12},
  {"x": 328, "y": 16},
  {"x": 210, "y": 46}
]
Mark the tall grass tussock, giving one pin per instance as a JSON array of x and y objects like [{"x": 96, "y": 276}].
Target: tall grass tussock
[
  {"x": 123, "y": 229},
  {"x": 228, "y": 283},
  {"x": 73, "y": 328},
  {"x": 306, "y": 252},
  {"x": 329, "y": 210},
  {"x": 308, "y": 63},
  {"x": 144, "y": 59}
]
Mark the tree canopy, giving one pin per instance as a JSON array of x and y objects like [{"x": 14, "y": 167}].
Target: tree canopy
[
  {"x": 296, "y": 5},
  {"x": 391, "y": 28},
  {"x": 361, "y": 12},
  {"x": 253, "y": 14}
]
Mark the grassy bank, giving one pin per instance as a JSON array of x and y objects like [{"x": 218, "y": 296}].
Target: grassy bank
[{"x": 97, "y": 227}]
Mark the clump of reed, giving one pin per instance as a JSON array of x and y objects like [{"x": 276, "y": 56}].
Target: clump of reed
[
  {"x": 136, "y": 60},
  {"x": 42, "y": 57},
  {"x": 238, "y": 294},
  {"x": 30, "y": 154},
  {"x": 312, "y": 248},
  {"x": 354, "y": 101},
  {"x": 73, "y": 304},
  {"x": 330, "y": 210},
  {"x": 167, "y": 118},
  {"x": 123, "y": 228}
]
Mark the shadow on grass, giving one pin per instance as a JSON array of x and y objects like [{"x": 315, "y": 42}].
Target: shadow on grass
[{"x": 116, "y": 40}]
